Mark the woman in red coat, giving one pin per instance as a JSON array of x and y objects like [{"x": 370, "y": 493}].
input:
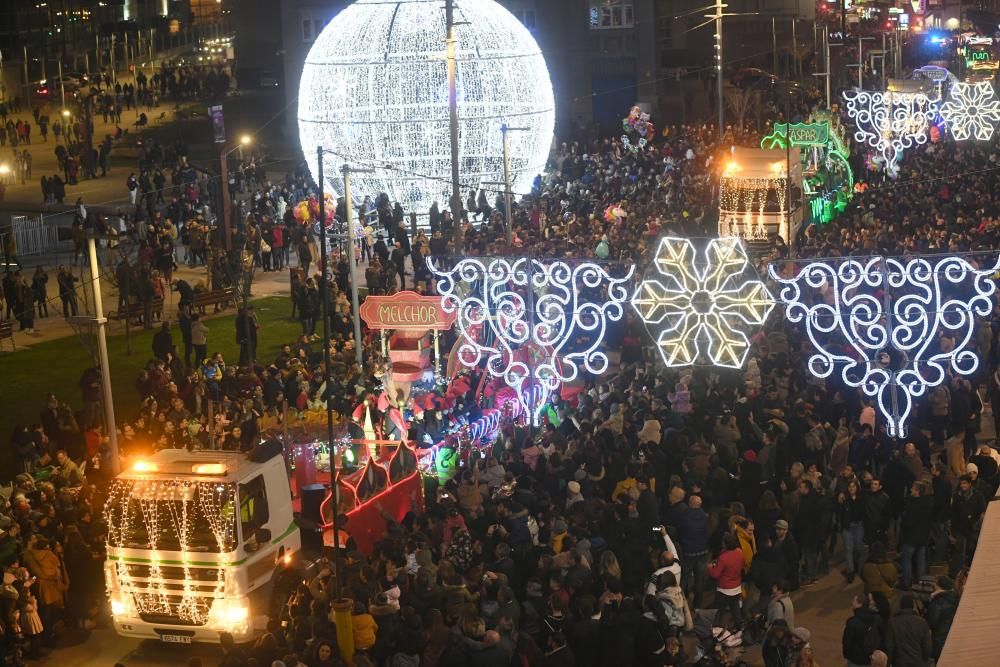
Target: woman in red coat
[{"x": 727, "y": 570}]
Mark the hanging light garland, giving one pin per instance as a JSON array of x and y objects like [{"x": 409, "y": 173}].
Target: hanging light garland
[
  {"x": 891, "y": 121},
  {"x": 972, "y": 111},
  {"x": 533, "y": 345},
  {"x": 874, "y": 322}
]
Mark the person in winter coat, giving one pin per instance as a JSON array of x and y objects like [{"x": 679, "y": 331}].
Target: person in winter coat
[
  {"x": 908, "y": 640},
  {"x": 851, "y": 518},
  {"x": 727, "y": 570},
  {"x": 941, "y": 613},
  {"x": 917, "y": 517},
  {"x": 809, "y": 529},
  {"x": 693, "y": 531},
  {"x": 967, "y": 508},
  {"x": 862, "y": 634},
  {"x": 364, "y": 627},
  {"x": 387, "y": 621},
  {"x": 879, "y": 574}
]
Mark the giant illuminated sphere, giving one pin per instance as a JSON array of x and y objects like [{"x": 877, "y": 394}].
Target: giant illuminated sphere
[{"x": 374, "y": 91}]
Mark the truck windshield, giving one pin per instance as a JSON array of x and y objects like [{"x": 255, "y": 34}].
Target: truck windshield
[{"x": 171, "y": 515}]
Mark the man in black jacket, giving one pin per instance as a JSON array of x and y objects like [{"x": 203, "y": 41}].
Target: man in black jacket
[
  {"x": 967, "y": 509},
  {"x": 942, "y": 511},
  {"x": 862, "y": 634},
  {"x": 876, "y": 513},
  {"x": 918, "y": 514}
]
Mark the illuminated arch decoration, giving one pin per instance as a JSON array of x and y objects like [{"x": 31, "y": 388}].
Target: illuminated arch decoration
[
  {"x": 546, "y": 319},
  {"x": 703, "y": 305},
  {"x": 890, "y": 121},
  {"x": 873, "y": 320},
  {"x": 374, "y": 93},
  {"x": 972, "y": 111}
]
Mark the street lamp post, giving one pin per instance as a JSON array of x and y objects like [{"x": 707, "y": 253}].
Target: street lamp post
[
  {"x": 226, "y": 208},
  {"x": 102, "y": 349},
  {"x": 341, "y": 605}
]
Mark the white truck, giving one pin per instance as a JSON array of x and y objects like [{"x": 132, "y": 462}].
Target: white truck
[{"x": 196, "y": 540}]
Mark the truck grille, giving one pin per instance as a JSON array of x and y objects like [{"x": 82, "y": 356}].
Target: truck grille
[{"x": 165, "y": 603}]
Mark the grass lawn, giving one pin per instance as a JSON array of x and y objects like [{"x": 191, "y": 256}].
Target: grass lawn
[{"x": 55, "y": 366}]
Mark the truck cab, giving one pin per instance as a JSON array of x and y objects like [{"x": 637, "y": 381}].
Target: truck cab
[{"x": 195, "y": 540}]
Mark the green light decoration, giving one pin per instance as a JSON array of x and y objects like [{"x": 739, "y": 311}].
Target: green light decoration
[{"x": 813, "y": 138}]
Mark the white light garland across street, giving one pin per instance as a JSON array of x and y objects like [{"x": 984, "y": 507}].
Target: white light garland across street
[
  {"x": 972, "y": 111},
  {"x": 374, "y": 92},
  {"x": 890, "y": 122},
  {"x": 535, "y": 323},
  {"x": 877, "y": 321},
  {"x": 703, "y": 305}
]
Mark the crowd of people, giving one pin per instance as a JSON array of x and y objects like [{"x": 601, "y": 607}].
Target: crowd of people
[{"x": 664, "y": 517}]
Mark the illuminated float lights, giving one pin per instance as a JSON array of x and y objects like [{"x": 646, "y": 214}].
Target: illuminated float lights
[
  {"x": 149, "y": 593},
  {"x": 889, "y": 312}
]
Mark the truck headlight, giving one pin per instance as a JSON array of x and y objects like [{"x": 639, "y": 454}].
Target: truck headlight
[
  {"x": 122, "y": 605},
  {"x": 229, "y": 614}
]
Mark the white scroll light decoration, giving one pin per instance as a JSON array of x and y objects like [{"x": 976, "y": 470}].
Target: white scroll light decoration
[
  {"x": 535, "y": 323},
  {"x": 374, "y": 92},
  {"x": 890, "y": 122},
  {"x": 972, "y": 111},
  {"x": 875, "y": 321},
  {"x": 706, "y": 304}
]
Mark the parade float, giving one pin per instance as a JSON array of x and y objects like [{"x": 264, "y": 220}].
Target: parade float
[{"x": 827, "y": 179}]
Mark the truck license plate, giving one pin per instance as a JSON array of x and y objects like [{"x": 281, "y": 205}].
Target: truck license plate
[{"x": 175, "y": 639}]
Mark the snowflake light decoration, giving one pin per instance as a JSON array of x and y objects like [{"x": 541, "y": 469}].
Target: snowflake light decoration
[
  {"x": 890, "y": 121},
  {"x": 972, "y": 109},
  {"x": 704, "y": 304},
  {"x": 535, "y": 323},
  {"x": 381, "y": 102},
  {"x": 877, "y": 320}
]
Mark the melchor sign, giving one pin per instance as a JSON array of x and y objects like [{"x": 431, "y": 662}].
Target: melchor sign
[{"x": 406, "y": 310}]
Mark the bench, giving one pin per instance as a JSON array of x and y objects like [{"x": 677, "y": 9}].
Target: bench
[
  {"x": 7, "y": 331},
  {"x": 219, "y": 298},
  {"x": 135, "y": 312}
]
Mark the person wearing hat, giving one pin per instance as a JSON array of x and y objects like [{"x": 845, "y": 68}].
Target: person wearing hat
[{"x": 573, "y": 494}]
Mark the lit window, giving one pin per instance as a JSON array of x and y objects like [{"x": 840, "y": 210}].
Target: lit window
[{"x": 612, "y": 16}]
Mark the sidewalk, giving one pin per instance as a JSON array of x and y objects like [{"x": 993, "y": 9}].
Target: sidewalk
[{"x": 273, "y": 283}]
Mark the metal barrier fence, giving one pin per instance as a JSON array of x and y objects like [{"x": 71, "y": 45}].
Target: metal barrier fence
[{"x": 32, "y": 236}]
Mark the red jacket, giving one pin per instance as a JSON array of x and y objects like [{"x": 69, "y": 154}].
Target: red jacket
[{"x": 728, "y": 570}]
